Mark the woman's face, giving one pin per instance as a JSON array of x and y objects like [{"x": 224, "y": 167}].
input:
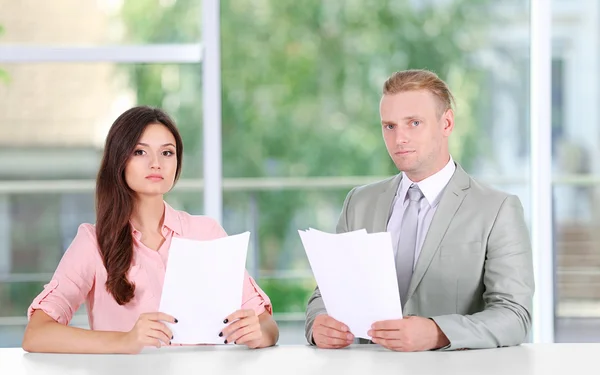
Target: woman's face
[{"x": 152, "y": 166}]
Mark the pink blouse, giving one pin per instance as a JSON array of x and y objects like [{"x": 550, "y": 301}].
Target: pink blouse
[{"x": 81, "y": 276}]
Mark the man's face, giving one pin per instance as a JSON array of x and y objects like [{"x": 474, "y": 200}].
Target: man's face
[{"x": 415, "y": 132}]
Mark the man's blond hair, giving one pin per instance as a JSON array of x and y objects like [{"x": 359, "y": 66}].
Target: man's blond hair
[{"x": 418, "y": 79}]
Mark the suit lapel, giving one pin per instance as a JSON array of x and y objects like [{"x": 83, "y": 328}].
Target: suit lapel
[
  {"x": 452, "y": 197},
  {"x": 383, "y": 206}
]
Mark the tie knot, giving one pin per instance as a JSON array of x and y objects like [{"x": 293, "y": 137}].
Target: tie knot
[{"x": 414, "y": 193}]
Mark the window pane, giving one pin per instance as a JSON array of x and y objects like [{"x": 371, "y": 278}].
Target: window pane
[
  {"x": 16, "y": 297},
  {"x": 275, "y": 250},
  {"x": 303, "y": 103},
  {"x": 575, "y": 160},
  {"x": 53, "y": 122},
  {"x": 54, "y": 117},
  {"x": 94, "y": 22}
]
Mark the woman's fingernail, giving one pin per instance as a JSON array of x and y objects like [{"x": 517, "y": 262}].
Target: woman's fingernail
[
  {"x": 220, "y": 334},
  {"x": 172, "y": 337},
  {"x": 176, "y": 321},
  {"x": 225, "y": 321},
  {"x": 225, "y": 341}
]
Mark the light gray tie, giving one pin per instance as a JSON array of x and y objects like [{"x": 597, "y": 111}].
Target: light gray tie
[{"x": 407, "y": 241}]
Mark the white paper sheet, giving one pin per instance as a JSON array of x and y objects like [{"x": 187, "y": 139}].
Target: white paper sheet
[
  {"x": 203, "y": 284},
  {"x": 356, "y": 274}
]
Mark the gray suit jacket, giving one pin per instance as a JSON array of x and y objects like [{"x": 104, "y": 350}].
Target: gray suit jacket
[{"x": 474, "y": 276}]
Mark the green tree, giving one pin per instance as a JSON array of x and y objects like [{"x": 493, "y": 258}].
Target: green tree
[{"x": 301, "y": 84}]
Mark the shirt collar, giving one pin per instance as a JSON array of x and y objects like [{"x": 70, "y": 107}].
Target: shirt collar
[
  {"x": 171, "y": 221},
  {"x": 432, "y": 186}
]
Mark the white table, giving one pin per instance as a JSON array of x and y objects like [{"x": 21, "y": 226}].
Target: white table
[{"x": 542, "y": 359}]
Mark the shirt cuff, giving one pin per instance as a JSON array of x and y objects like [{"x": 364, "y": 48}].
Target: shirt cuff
[{"x": 52, "y": 309}]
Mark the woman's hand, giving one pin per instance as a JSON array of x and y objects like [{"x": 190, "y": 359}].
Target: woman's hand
[
  {"x": 244, "y": 329},
  {"x": 149, "y": 331}
]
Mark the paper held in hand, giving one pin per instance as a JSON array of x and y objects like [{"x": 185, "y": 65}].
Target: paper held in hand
[
  {"x": 356, "y": 274},
  {"x": 203, "y": 284}
]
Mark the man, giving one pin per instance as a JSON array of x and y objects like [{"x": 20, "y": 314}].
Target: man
[{"x": 462, "y": 249}]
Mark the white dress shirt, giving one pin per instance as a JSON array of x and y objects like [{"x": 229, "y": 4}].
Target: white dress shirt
[{"x": 431, "y": 187}]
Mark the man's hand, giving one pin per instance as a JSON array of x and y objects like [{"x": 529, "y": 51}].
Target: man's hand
[
  {"x": 410, "y": 334},
  {"x": 328, "y": 333}
]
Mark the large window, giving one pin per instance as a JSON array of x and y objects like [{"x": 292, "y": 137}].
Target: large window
[{"x": 301, "y": 82}]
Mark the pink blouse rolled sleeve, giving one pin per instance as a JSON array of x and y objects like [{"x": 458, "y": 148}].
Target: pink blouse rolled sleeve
[
  {"x": 72, "y": 280},
  {"x": 253, "y": 297}
]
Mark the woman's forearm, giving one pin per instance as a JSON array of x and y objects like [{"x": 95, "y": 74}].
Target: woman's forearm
[{"x": 45, "y": 335}]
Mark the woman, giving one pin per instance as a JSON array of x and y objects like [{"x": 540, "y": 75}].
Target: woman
[{"x": 118, "y": 266}]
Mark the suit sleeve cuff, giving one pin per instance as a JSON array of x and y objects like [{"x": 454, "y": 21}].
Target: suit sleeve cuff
[
  {"x": 445, "y": 323},
  {"x": 309, "y": 327}
]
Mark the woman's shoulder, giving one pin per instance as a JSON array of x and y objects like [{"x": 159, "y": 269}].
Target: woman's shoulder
[
  {"x": 200, "y": 227},
  {"x": 88, "y": 229},
  {"x": 196, "y": 219},
  {"x": 85, "y": 242},
  {"x": 86, "y": 232}
]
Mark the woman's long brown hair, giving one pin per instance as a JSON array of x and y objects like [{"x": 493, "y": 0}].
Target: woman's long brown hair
[{"x": 115, "y": 199}]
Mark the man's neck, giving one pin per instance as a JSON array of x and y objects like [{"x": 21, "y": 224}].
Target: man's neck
[{"x": 423, "y": 175}]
